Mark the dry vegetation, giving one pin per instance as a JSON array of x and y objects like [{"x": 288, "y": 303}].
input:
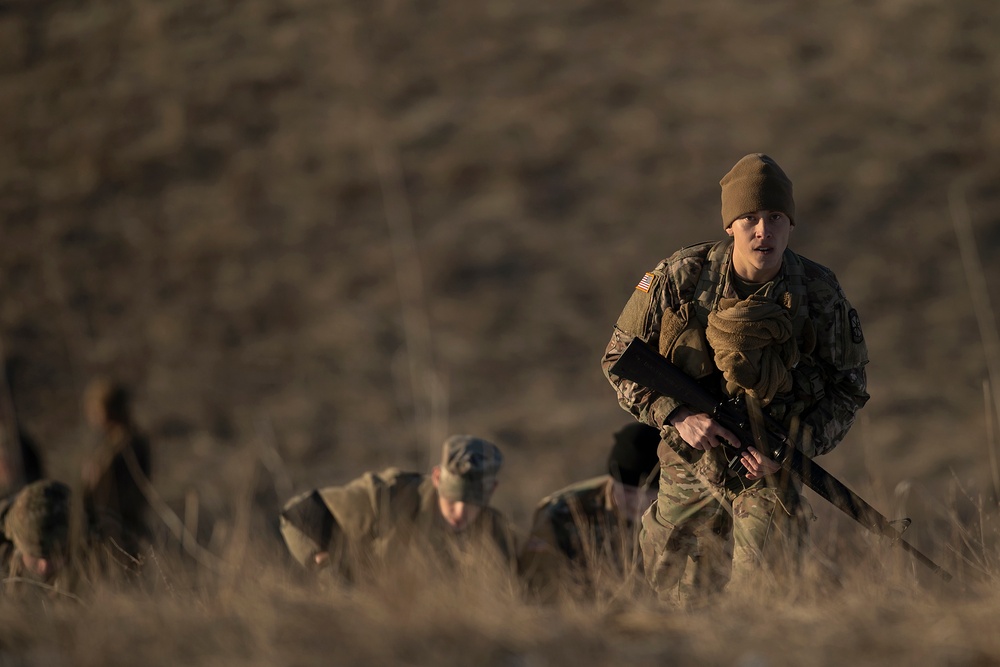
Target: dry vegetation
[
  {"x": 257, "y": 611},
  {"x": 318, "y": 236}
]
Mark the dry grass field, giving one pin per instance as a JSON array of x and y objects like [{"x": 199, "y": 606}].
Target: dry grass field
[{"x": 317, "y": 237}]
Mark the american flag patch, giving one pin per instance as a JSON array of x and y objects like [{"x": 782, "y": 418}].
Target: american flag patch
[{"x": 645, "y": 283}]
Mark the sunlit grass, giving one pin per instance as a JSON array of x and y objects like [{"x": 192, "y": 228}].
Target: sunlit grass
[{"x": 855, "y": 600}]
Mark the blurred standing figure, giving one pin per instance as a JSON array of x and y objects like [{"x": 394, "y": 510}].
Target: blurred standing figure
[
  {"x": 35, "y": 532},
  {"x": 387, "y": 517},
  {"x": 21, "y": 461},
  {"x": 746, "y": 316},
  {"x": 589, "y": 529},
  {"x": 28, "y": 458},
  {"x": 116, "y": 469}
]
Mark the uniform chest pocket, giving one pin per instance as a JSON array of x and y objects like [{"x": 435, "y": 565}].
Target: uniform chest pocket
[{"x": 683, "y": 342}]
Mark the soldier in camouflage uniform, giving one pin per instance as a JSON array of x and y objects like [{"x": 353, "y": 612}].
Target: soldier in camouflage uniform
[
  {"x": 587, "y": 530},
  {"x": 115, "y": 471},
  {"x": 378, "y": 519},
  {"x": 745, "y": 316},
  {"x": 35, "y": 532}
]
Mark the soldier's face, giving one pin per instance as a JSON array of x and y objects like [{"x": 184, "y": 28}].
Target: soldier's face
[
  {"x": 458, "y": 514},
  {"x": 95, "y": 413},
  {"x": 759, "y": 240},
  {"x": 44, "y": 568}
]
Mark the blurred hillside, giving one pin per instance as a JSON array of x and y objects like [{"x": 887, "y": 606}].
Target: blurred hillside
[{"x": 346, "y": 229}]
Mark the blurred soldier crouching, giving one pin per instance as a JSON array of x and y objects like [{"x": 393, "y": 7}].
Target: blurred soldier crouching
[
  {"x": 34, "y": 545},
  {"x": 587, "y": 532},
  {"x": 384, "y": 518}
]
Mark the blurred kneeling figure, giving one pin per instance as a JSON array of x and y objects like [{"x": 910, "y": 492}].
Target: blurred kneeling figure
[
  {"x": 34, "y": 545},
  {"x": 116, "y": 470}
]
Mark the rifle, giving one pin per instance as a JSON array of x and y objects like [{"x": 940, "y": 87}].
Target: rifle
[{"x": 643, "y": 365}]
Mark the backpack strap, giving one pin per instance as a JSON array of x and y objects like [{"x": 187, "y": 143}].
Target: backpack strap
[
  {"x": 796, "y": 285},
  {"x": 713, "y": 274}
]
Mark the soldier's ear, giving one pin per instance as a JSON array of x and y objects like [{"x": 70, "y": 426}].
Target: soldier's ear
[{"x": 321, "y": 559}]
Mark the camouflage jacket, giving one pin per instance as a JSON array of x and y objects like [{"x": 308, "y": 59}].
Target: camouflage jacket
[
  {"x": 829, "y": 385},
  {"x": 578, "y": 527},
  {"x": 112, "y": 497},
  {"x": 382, "y": 516}
]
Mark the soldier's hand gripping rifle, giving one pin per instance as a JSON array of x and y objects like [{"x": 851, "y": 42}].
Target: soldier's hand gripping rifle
[{"x": 641, "y": 364}]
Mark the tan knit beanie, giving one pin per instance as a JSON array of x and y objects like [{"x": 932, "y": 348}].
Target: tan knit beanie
[{"x": 756, "y": 183}]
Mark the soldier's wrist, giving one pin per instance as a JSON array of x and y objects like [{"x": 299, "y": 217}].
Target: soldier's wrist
[
  {"x": 678, "y": 414},
  {"x": 662, "y": 410}
]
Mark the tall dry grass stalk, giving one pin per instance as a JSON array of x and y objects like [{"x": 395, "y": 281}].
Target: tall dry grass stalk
[
  {"x": 991, "y": 436},
  {"x": 985, "y": 315},
  {"x": 426, "y": 389}
]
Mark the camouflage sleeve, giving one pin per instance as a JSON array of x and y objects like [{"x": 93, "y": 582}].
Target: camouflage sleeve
[
  {"x": 641, "y": 317},
  {"x": 832, "y": 417},
  {"x": 843, "y": 355}
]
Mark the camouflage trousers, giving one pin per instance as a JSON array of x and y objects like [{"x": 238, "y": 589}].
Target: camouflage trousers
[{"x": 709, "y": 527}]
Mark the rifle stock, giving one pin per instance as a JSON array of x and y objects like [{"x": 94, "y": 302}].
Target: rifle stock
[{"x": 643, "y": 365}]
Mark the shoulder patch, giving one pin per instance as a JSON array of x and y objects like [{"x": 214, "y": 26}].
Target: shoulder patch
[
  {"x": 855, "y": 324},
  {"x": 635, "y": 317}
]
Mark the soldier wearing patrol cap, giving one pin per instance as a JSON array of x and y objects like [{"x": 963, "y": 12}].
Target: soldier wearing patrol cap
[
  {"x": 380, "y": 515},
  {"x": 35, "y": 524},
  {"x": 588, "y": 529},
  {"x": 747, "y": 317}
]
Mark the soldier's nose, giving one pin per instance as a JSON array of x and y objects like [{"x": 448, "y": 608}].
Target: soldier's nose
[{"x": 43, "y": 567}]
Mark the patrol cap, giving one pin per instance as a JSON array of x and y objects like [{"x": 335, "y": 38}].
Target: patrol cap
[
  {"x": 38, "y": 520},
  {"x": 756, "y": 183},
  {"x": 469, "y": 468},
  {"x": 633, "y": 457}
]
